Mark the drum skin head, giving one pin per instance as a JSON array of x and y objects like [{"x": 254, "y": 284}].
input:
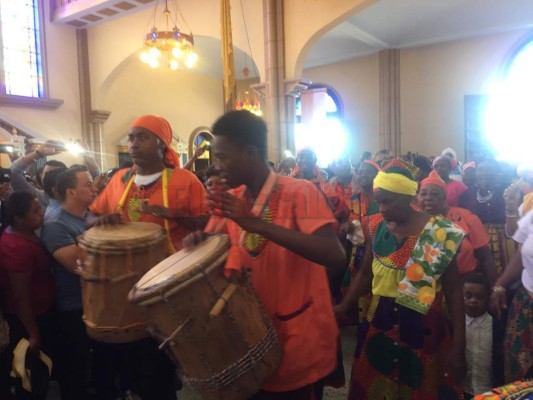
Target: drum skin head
[
  {"x": 134, "y": 233},
  {"x": 179, "y": 267}
]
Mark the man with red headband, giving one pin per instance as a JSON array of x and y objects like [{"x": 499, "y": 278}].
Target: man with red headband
[
  {"x": 155, "y": 184},
  {"x": 155, "y": 187}
]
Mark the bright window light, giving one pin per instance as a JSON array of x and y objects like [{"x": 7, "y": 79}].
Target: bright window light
[
  {"x": 328, "y": 139},
  {"x": 21, "y": 52},
  {"x": 509, "y": 118}
]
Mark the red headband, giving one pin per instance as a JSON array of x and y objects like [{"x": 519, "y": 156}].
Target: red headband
[{"x": 160, "y": 127}]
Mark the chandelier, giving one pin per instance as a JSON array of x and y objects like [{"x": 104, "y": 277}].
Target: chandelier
[
  {"x": 171, "y": 45},
  {"x": 248, "y": 101}
]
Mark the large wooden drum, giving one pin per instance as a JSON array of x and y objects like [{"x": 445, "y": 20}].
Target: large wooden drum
[
  {"x": 214, "y": 329},
  {"x": 112, "y": 259}
]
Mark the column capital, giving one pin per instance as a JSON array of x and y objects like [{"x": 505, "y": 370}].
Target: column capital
[
  {"x": 293, "y": 87},
  {"x": 99, "y": 116}
]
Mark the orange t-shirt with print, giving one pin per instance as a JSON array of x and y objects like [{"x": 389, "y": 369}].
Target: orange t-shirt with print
[
  {"x": 476, "y": 237},
  {"x": 185, "y": 193},
  {"x": 293, "y": 290}
]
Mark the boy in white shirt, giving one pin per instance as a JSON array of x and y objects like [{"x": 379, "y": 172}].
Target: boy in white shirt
[{"x": 479, "y": 336}]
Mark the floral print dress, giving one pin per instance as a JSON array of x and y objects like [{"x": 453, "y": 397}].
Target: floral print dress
[{"x": 402, "y": 353}]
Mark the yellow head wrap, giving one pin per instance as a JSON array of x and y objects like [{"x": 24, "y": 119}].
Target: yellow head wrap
[{"x": 396, "y": 177}]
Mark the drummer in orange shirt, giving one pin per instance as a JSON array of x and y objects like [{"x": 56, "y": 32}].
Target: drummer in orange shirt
[
  {"x": 281, "y": 232},
  {"x": 155, "y": 186}
]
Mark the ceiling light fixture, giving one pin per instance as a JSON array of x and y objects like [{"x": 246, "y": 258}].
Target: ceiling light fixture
[
  {"x": 171, "y": 44},
  {"x": 248, "y": 101}
]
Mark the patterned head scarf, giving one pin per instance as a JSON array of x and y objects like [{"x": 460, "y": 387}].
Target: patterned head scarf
[
  {"x": 160, "y": 127},
  {"x": 397, "y": 177}
]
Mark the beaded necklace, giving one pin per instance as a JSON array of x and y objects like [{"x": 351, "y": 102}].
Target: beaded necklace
[
  {"x": 266, "y": 206},
  {"x": 142, "y": 195}
]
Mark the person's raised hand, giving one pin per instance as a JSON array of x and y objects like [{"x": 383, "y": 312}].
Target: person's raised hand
[
  {"x": 49, "y": 148},
  {"x": 227, "y": 205}
]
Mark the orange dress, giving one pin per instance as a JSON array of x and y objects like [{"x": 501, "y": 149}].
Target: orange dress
[
  {"x": 185, "y": 193},
  {"x": 293, "y": 290},
  {"x": 476, "y": 237}
]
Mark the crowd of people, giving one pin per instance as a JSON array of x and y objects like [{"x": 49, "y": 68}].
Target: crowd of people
[{"x": 430, "y": 258}]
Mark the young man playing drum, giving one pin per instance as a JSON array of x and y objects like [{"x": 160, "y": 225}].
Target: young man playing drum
[
  {"x": 281, "y": 232},
  {"x": 156, "y": 186}
]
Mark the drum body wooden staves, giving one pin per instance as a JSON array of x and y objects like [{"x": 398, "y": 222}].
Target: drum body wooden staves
[
  {"x": 113, "y": 259},
  {"x": 226, "y": 357}
]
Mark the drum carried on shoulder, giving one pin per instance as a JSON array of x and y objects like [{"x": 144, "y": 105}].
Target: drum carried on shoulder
[
  {"x": 112, "y": 259},
  {"x": 214, "y": 329}
]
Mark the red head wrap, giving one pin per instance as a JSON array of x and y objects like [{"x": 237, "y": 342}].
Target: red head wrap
[
  {"x": 434, "y": 179},
  {"x": 373, "y": 164},
  {"x": 160, "y": 127}
]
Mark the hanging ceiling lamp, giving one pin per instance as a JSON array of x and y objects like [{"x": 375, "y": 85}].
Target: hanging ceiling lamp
[
  {"x": 171, "y": 45},
  {"x": 248, "y": 101}
]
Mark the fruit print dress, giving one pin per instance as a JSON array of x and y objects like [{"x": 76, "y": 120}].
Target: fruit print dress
[{"x": 402, "y": 349}]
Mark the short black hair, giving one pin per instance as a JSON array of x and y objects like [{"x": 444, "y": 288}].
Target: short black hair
[
  {"x": 66, "y": 180},
  {"x": 55, "y": 163},
  {"x": 50, "y": 180},
  {"x": 477, "y": 278},
  {"x": 212, "y": 170},
  {"x": 243, "y": 129},
  {"x": 18, "y": 204},
  {"x": 79, "y": 168}
]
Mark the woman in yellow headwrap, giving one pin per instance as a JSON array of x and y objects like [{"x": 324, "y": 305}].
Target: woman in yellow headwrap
[{"x": 405, "y": 349}]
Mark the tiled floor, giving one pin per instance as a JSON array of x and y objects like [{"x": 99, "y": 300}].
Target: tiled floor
[{"x": 348, "y": 346}]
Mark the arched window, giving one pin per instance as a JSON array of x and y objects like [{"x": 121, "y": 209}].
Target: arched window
[
  {"x": 509, "y": 120},
  {"x": 326, "y": 137}
]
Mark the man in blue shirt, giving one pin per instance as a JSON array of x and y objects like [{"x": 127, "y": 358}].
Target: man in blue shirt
[{"x": 59, "y": 235}]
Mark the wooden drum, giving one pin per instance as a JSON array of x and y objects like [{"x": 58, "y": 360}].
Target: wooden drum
[
  {"x": 224, "y": 349},
  {"x": 112, "y": 259}
]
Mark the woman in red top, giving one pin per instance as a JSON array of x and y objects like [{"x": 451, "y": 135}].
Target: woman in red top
[
  {"x": 25, "y": 280},
  {"x": 474, "y": 252}
]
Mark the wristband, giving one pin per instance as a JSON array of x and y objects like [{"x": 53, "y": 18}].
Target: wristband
[{"x": 498, "y": 289}]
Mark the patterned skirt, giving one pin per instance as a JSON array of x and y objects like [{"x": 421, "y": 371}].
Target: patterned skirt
[
  {"x": 402, "y": 354},
  {"x": 518, "y": 342},
  {"x": 502, "y": 247}
]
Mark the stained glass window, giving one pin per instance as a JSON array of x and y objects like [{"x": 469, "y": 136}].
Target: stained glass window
[{"x": 21, "y": 48}]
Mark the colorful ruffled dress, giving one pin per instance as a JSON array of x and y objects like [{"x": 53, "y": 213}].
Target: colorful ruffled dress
[{"x": 403, "y": 343}]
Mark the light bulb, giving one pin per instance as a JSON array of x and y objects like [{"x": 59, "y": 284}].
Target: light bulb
[
  {"x": 191, "y": 60},
  {"x": 177, "y": 52},
  {"x": 154, "y": 52},
  {"x": 154, "y": 63},
  {"x": 173, "y": 64},
  {"x": 145, "y": 57}
]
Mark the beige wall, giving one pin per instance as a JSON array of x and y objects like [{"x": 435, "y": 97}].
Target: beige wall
[
  {"x": 357, "y": 83},
  {"x": 305, "y": 21},
  {"x": 186, "y": 99},
  {"x": 433, "y": 82}
]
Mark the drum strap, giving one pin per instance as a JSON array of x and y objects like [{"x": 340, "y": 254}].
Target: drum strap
[{"x": 164, "y": 178}]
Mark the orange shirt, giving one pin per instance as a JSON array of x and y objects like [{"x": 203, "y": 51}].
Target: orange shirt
[
  {"x": 355, "y": 201},
  {"x": 476, "y": 237},
  {"x": 293, "y": 290},
  {"x": 185, "y": 193}
]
